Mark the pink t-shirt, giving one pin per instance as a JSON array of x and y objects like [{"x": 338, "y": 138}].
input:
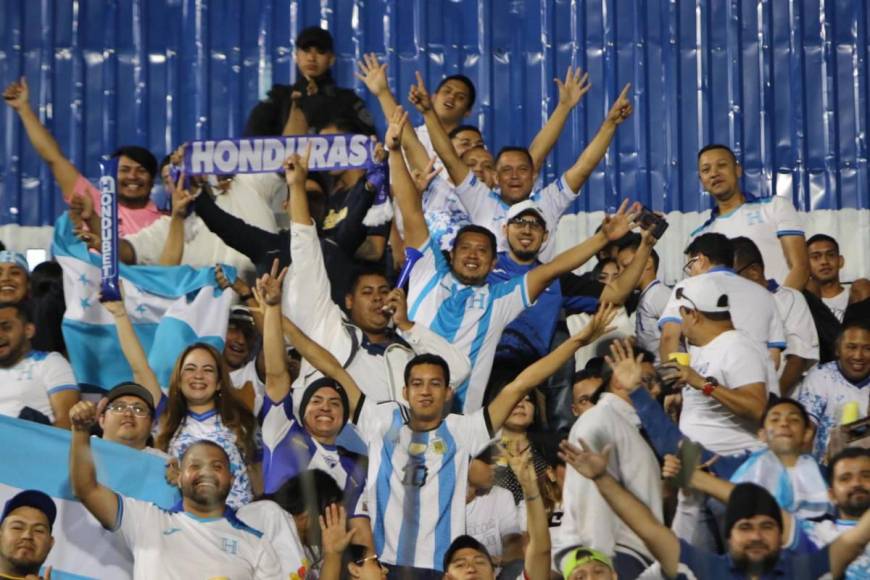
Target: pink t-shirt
[{"x": 130, "y": 221}]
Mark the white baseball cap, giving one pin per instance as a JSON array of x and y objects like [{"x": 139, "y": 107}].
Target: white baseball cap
[
  {"x": 526, "y": 206},
  {"x": 703, "y": 294}
]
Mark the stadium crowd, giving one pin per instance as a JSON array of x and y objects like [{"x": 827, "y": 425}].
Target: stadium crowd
[{"x": 353, "y": 428}]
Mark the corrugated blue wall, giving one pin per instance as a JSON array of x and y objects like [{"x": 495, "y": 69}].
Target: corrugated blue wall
[{"x": 783, "y": 81}]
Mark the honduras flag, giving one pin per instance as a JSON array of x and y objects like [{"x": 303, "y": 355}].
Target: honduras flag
[
  {"x": 37, "y": 457},
  {"x": 170, "y": 307}
]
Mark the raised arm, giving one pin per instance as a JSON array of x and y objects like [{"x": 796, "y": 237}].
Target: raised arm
[
  {"x": 296, "y": 172},
  {"x": 613, "y": 228},
  {"x": 132, "y": 349},
  {"x": 535, "y": 374},
  {"x": 537, "y": 554},
  {"x": 101, "y": 501},
  {"x": 620, "y": 289},
  {"x": 17, "y": 96},
  {"x": 577, "y": 175},
  {"x": 86, "y": 226},
  {"x": 268, "y": 294},
  {"x": 660, "y": 540},
  {"x": 404, "y": 191},
  {"x": 798, "y": 260},
  {"x": 323, "y": 360},
  {"x": 173, "y": 248},
  {"x": 849, "y": 545},
  {"x": 570, "y": 93},
  {"x": 419, "y": 97}
]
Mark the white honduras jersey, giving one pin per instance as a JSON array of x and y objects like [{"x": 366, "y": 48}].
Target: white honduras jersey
[
  {"x": 824, "y": 392},
  {"x": 417, "y": 481},
  {"x": 752, "y": 307},
  {"x": 822, "y": 533},
  {"x": 486, "y": 208},
  {"x": 734, "y": 361},
  {"x": 249, "y": 374},
  {"x": 801, "y": 336},
  {"x": 764, "y": 221},
  {"x": 32, "y": 381},
  {"x": 471, "y": 318},
  {"x": 653, "y": 300},
  {"x": 179, "y": 545}
]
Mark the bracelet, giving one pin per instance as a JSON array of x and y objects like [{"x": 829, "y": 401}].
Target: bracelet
[{"x": 533, "y": 498}]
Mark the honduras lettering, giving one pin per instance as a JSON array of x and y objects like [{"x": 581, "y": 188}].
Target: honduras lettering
[
  {"x": 267, "y": 154},
  {"x": 110, "y": 284}
]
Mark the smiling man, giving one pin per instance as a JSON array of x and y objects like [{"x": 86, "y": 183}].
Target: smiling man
[
  {"x": 25, "y": 534},
  {"x": 14, "y": 277},
  {"x": 201, "y": 537},
  {"x": 137, "y": 167},
  {"x": 38, "y": 386},
  {"x": 828, "y": 387},
  {"x": 771, "y": 222}
]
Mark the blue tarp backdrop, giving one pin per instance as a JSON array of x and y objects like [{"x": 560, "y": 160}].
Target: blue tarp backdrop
[{"x": 782, "y": 81}]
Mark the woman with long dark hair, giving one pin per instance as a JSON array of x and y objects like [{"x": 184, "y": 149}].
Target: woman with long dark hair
[{"x": 200, "y": 405}]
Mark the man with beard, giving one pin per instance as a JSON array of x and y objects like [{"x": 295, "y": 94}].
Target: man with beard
[
  {"x": 528, "y": 337},
  {"x": 322, "y": 100},
  {"x": 828, "y": 387},
  {"x": 771, "y": 222},
  {"x": 39, "y": 386},
  {"x": 25, "y": 535},
  {"x": 825, "y": 265},
  {"x": 137, "y": 168},
  {"x": 850, "y": 493},
  {"x": 453, "y": 297},
  {"x": 200, "y": 538},
  {"x": 754, "y": 527}
]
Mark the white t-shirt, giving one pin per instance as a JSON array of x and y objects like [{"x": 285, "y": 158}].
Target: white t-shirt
[
  {"x": 178, "y": 545},
  {"x": 801, "y": 338},
  {"x": 487, "y": 208},
  {"x": 491, "y": 517},
  {"x": 838, "y": 304},
  {"x": 249, "y": 199},
  {"x": 735, "y": 361},
  {"x": 824, "y": 392},
  {"x": 249, "y": 374},
  {"x": 764, "y": 221},
  {"x": 472, "y": 318},
  {"x": 417, "y": 481},
  {"x": 279, "y": 530},
  {"x": 32, "y": 381},
  {"x": 753, "y": 309},
  {"x": 653, "y": 300}
]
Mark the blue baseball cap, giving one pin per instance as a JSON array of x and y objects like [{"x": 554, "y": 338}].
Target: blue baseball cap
[{"x": 31, "y": 498}]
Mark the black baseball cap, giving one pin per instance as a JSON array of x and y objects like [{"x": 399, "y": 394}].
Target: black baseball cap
[
  {"x": 131, "y": 389},
  {"x": 315, "y": 37},
  {"x": 32, "y": 498},
  {"x": 461, "y": 542}
]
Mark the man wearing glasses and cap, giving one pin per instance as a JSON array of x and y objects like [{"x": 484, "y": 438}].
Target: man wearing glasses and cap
[
  {"x": 25, "y": 534},
  {"x": 320, "y": 98}
]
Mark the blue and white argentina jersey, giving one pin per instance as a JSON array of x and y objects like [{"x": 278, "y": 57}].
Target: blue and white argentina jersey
[
  {"x": 178, "y": 545},
  {"x": 417, "y": 481},
  {"x": 764, "y": 220},
  {"x": 824, "y": 392},
  {"x": 821, "y": 533},
  {"x": 32, "y": 381},
  {"x": 471, "y": 318}
]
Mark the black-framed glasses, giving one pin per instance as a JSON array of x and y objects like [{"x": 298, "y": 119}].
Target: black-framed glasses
[
  {"x": 687, "y": 269},
  {"x": 532, "y": 224},
  {"x": 121, "y": 408}
]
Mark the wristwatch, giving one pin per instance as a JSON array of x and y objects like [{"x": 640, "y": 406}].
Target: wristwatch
[{"x": 710, "y": 384}]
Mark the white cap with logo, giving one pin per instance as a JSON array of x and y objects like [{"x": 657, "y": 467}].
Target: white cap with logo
[
  {"x": 703, "y": 294},
  {"x": 526, "y": 206}
]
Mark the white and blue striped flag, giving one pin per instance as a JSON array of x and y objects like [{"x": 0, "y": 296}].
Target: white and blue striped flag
[
  {"x": 37, "y": 457},
  {"x": 170, "y": 307}
]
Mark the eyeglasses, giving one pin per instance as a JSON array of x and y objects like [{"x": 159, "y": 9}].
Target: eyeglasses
[
  {"x": 121, "y": 408},
  {"x": 687, "y": 269},
  {"x": 532, "y": 224},
  {"x": 364, "y": 560}
]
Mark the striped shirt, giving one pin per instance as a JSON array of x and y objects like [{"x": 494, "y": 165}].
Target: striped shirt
[
  {"x": 417, "y": 480},
  {"x": 471, "y": 318}
]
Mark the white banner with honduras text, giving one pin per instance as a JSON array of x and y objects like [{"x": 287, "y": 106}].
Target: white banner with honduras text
[
  {"x": 267, "y": 154},
  {"x": 37, "y": 457},
  {"x": 170, "y": 307}
]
